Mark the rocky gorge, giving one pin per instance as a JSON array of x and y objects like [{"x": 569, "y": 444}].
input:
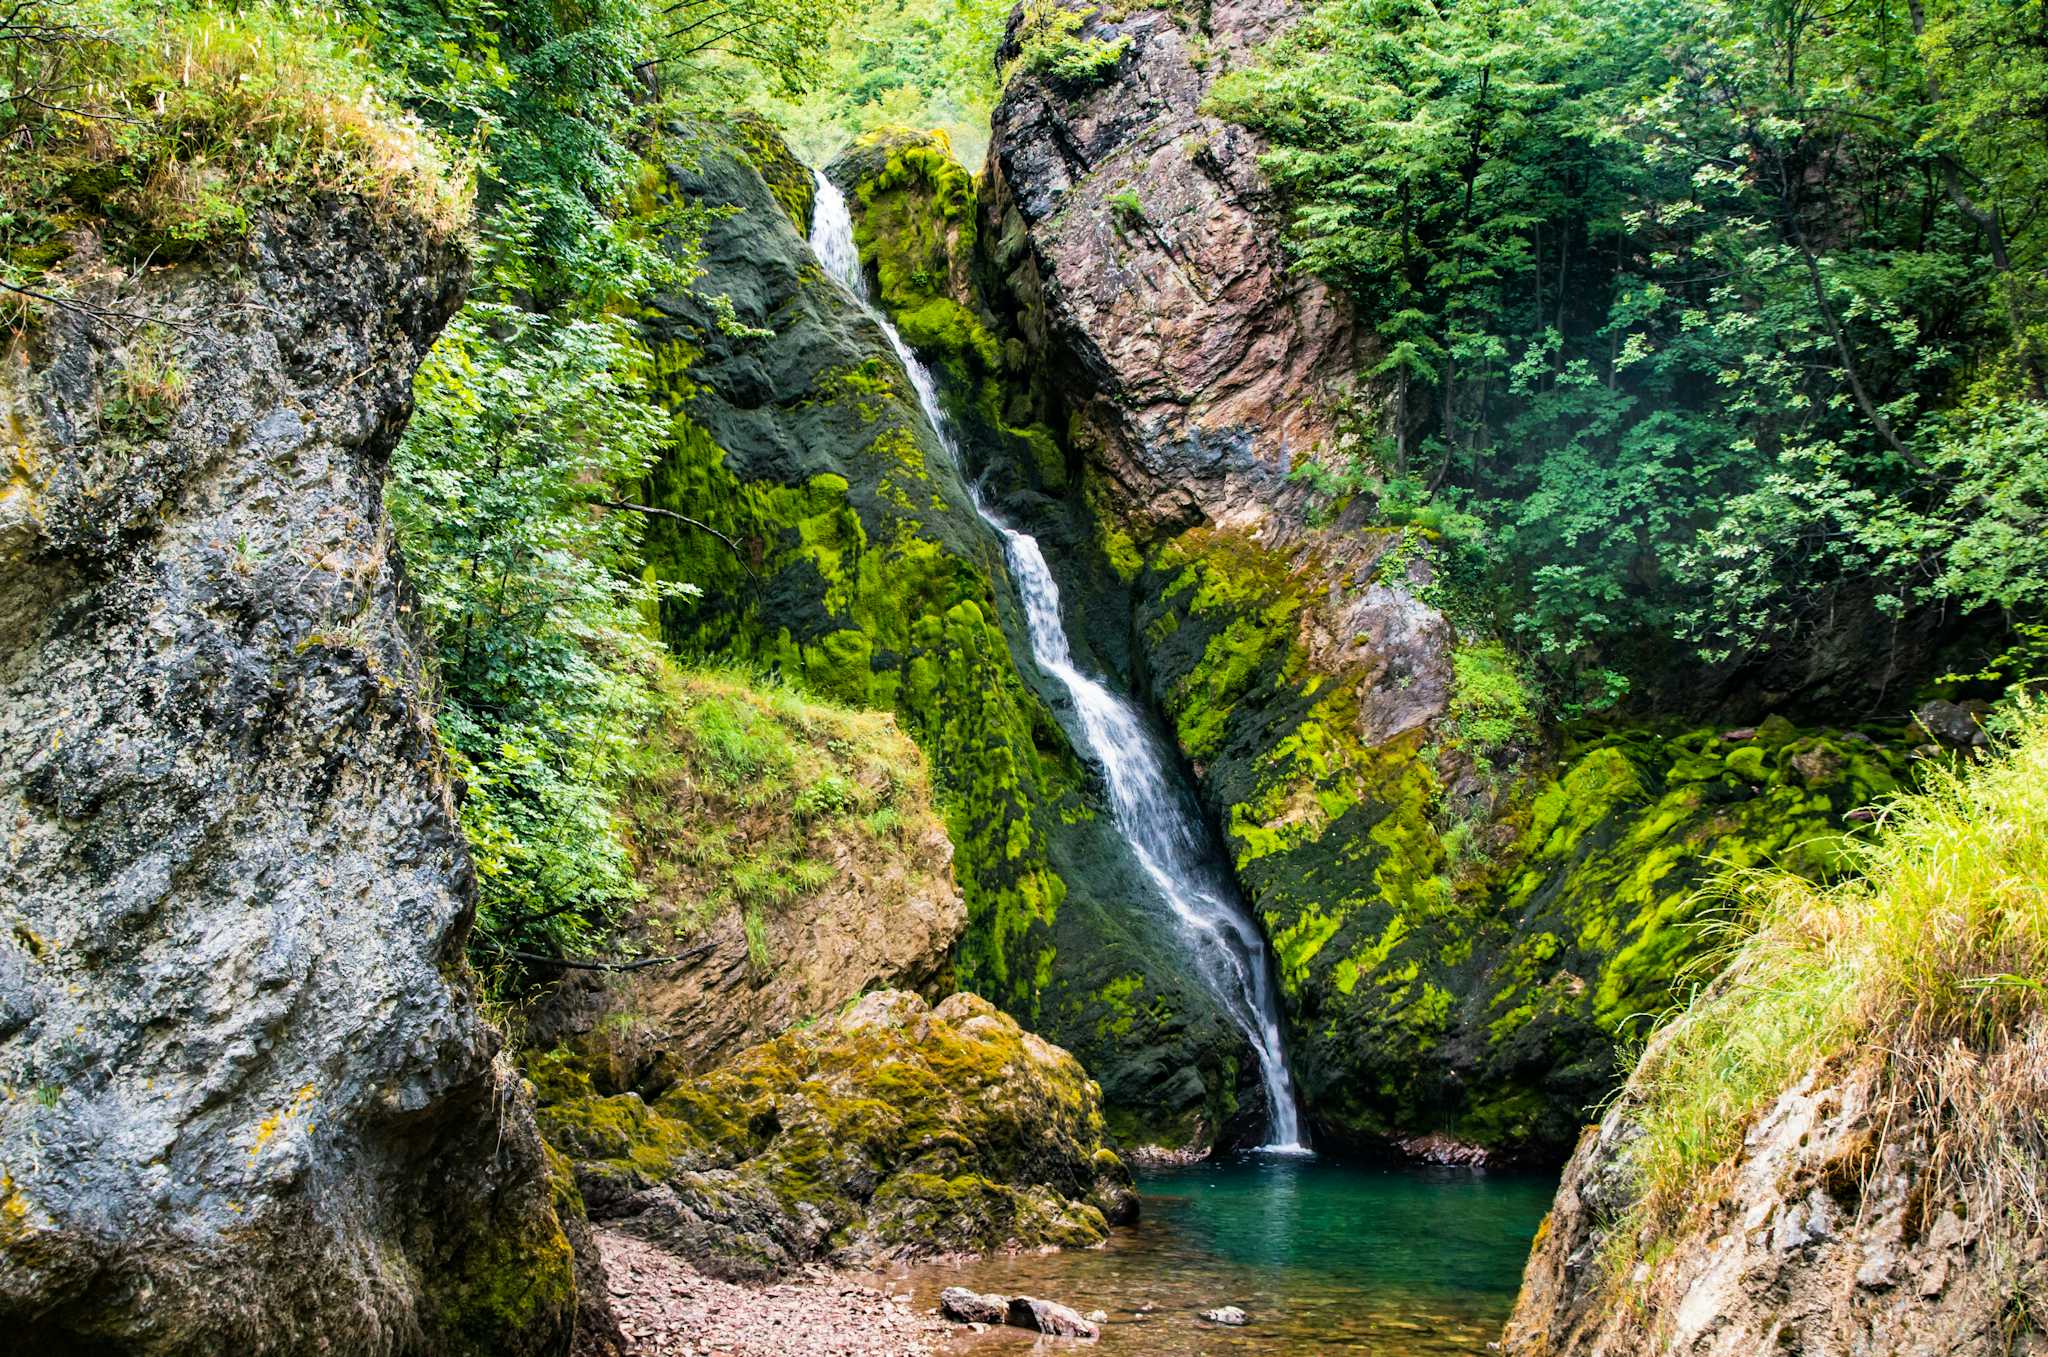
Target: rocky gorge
[{"x": 889, "y": 992}]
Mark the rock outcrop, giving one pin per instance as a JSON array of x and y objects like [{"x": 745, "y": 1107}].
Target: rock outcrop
[
  {"x": 892, "y": 1130},
  {"x": 1830, "y": 1234},
  {"x": 1466, "y": 920},
  {"x": 1134, "y": 239},
  {"x": 792, "y": 859},
  {"x": 249, "y": 1103}
]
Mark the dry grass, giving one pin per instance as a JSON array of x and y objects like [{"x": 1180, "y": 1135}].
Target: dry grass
[
  {"x": 166, "y": 127},
  {"x": 1934, "y": 958}
]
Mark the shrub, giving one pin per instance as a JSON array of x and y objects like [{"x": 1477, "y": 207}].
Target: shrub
[
  {"x": 166, "y": 128},
  {"x": 1048, "y": 45}
]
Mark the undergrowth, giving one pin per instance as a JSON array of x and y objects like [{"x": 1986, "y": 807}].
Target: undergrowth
[
  {"x": 163, "y": 129},
  {"x": 750, "y": 797},
  {"x": 1932, "y": 958}
]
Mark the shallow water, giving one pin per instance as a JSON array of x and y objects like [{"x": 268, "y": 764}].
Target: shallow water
[{"x": 1325, "y": 1257}]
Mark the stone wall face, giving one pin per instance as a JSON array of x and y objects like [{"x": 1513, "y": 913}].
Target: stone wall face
[{"x": 251, "y": 1105}]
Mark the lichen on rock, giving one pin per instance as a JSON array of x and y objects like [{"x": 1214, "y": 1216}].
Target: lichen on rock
[
  {"x": 893, "y": 1129},
  {"x": 250, "y": 1104}
]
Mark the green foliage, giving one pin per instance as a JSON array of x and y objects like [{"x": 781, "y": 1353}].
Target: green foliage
[
  {"x": 1715, "y": 319},
  {"x": 899, "y": 63},
  {"x": 1050, "y": 45},
  {"x": 539, "y": 415},
  {"x": 1129, "y": 214},
  {"x": 1492, "y": 703},
  {"x": 525, "y": 426},
  {"x": 165, "y": 128}
]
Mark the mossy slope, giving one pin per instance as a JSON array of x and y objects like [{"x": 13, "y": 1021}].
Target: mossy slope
[
  {"x": 840, "y": 549},
  {"x": 891, "y": 1130},
  {"x": 1464, "y": 948},
  {"x": 790, "y": 852}
]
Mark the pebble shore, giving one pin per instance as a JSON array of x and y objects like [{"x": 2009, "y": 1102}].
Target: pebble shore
[{"x": 667, "y": 1308}]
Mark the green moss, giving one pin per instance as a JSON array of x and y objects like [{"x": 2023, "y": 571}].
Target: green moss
[
  {"x": 788, "y": 178},
  {"x": 913, "y": 208},
  {"x": 897, "y": 1126}
]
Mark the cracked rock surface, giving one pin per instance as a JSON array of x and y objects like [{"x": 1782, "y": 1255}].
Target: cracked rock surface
[{"x": 250, "y": 1103}]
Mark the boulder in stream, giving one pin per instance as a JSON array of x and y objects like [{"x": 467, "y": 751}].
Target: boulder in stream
[
  {"x": 965, "y": 1306},
  {"x": 1049, "y": 1317}
]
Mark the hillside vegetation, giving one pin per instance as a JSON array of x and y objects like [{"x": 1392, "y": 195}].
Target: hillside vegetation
[
  {"x": 1709, "y": 332},
  {"x": 1931, "y": 961}
]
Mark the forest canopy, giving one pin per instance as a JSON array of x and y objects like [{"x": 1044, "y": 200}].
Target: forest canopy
[{"x": 1700, "y": 322}]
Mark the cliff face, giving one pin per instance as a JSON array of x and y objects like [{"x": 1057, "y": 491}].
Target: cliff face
[
  {"x": 1466, "y": 923},
  {"x": 1135, "y": 235},
  {"x": 853, "y": 560},
  {"x": 250, "y": 1104}
]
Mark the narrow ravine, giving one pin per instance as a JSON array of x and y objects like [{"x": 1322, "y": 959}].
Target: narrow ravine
[{"x": 1151, "y": 806}]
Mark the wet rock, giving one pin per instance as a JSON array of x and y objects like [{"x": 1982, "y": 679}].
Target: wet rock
[
  {"x": 1228, "y": 1314},
  {"x": 1951, "y": 725},
  {"x": 1049, "y": 1317},
  {"x": 257, "y": 1109},
  {"x": 964, "y": 1306},
  {"x": 1437, "y": 1148},
  {"x": 805, "y": 432}
]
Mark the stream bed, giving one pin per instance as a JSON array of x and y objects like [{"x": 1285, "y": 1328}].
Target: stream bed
[{"x": 1324, "y": 1257}]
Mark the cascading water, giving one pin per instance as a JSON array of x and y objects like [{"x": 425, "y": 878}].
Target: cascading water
[{"x": 1155, "y": 813}]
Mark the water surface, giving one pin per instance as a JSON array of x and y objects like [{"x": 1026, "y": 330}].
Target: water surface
[{"x": 1324, "y": 1256}]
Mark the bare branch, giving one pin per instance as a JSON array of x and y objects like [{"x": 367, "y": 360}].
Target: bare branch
[{"x": 650, "y": 510}]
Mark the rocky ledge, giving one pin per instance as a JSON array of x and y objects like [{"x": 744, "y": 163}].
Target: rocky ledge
[
  {"x": 892, "y": 1130},
  {"x": 1831, "y": 1232}
]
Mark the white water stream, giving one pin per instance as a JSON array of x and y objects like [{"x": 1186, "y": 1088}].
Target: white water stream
[{"x": 1153, "y": 810}]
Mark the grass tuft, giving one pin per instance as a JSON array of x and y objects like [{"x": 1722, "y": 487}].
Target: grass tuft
[
  {"x": 1932, "y": 959},
  {"x": 163, "y": 129}
]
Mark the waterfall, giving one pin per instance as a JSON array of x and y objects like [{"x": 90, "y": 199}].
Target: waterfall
[{"x": 1153, "y": 810}]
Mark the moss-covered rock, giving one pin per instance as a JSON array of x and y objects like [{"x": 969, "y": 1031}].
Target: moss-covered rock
[
  {"x": 1464, "y": 947},
  {"x": 791, "y": 857},
  {"x": 840, "y": 549},
  {"x": 894, "y": 1129}
]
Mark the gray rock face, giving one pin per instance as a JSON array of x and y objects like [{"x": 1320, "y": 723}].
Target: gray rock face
[
  {"x": 1830, "y": 1235},
  {"x": 1200, "y": 355},
  {"x": 250, "y": 1105}
]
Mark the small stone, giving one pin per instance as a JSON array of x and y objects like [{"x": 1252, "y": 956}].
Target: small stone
[
  {"x": 1098, "y": 1316},
  {"x": 1227, "y": 1314},
  {"x": 963, "y": 1306},
  {"x": 1049, "y": 1317}
]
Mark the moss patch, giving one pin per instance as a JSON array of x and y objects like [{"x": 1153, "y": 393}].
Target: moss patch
[{"x": 892, "y": 1128}]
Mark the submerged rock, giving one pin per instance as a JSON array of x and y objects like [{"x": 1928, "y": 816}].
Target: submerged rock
[
  {"x": 252, "y": 1105},
  {"x": 892, "y": 1130},
  {"x": 1229, "y": 1315}
]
